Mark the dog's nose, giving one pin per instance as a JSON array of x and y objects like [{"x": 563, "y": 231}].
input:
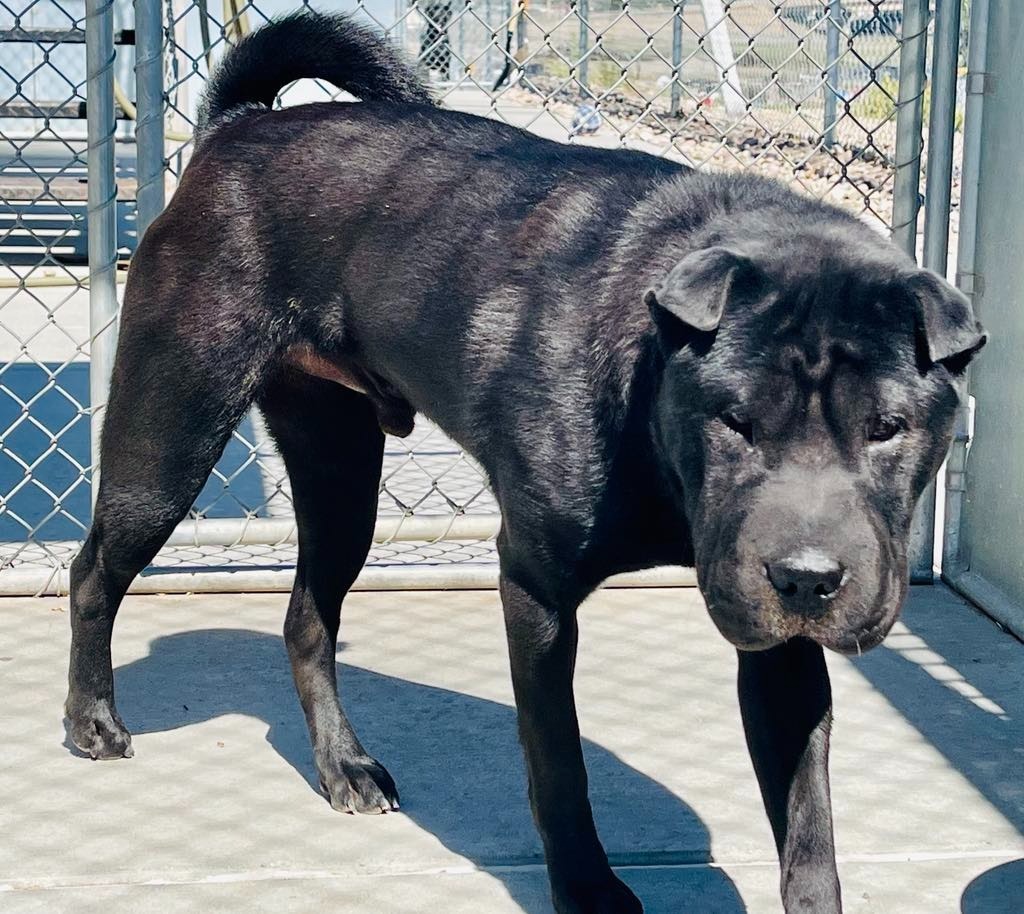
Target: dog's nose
[{"x": 806, "y": 581}]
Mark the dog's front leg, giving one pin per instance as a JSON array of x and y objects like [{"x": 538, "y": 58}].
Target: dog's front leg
[
  {"x": 542, "y": 650},
  {"x": 786, "y": 702}
]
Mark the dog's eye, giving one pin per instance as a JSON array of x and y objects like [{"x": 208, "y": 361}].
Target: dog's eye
[
  {"x": 739, "y": 425},
  {"x": 885, "y": 428}
]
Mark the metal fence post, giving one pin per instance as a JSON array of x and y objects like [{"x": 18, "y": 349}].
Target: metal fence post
[
  {"x": 102, "y": 212},
  {"x": 938, "y": 184},
  {"x": 583, "y": 67},
  {"x": 835, "y": 15},
  {"x": 149, "y": 128},
  {"x": 941, "y": 125},
  {"x": 909, "y": 117},
  {"x": 677, "y": 55},
  {"x": 906, "y": 204},
  {"x": 462, "y": 38},
  {"x": 492, "y": 43}
]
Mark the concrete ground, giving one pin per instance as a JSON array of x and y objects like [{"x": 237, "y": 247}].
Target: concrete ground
[{"x": 218, "y": 809}]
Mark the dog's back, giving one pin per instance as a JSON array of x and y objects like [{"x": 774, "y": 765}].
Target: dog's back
[{"x": 373, "y": 214}]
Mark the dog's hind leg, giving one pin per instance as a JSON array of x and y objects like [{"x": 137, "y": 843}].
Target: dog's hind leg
[
  {"x": 333, "y": 447},
  {"x": 181, "y": 384}
]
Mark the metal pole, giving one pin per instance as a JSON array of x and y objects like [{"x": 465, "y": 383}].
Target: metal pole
[
  {"x": 905, "y": 206},
  {"x": 582, "y": 72},
  {"x": 954, "y": 562},
  {"x": 835, "y": 16},
  {"x": 938, "y": 186},
  {"x": 149, "y": 128},
  {"x": 677, "y": 56},
  {"x": 102, "y": 211},
  {"x": 909, "y": 115},
  {"x": 939, "y": 179},
  {"x": 462, "y": 43},
  {"x": 489, "y": 53}
]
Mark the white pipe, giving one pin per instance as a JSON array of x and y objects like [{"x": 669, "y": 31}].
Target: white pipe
[
  {"x": 992, "y": 601},
  {"x": 717, "y": 24},
  {"x": 264, "y": 531},
  {"x": 41, "y": 581},
  {"x": 953, "y": 561}
]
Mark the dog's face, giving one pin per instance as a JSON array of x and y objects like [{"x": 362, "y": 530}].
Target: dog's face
[{"x": 807, "y": 399}]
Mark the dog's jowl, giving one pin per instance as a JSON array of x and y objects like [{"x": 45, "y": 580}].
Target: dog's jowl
[{"x": 654, "y": 366}]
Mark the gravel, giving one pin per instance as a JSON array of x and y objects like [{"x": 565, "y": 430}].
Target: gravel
[{"x": 856, "y": 172}]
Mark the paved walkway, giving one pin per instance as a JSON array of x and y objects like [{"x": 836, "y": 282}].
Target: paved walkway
[{"x": 217, "y": 811}]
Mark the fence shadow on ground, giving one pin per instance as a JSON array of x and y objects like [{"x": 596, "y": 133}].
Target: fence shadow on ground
[
  {"x": 964, "y": 692},
  {"x": 455, "y": 757}
]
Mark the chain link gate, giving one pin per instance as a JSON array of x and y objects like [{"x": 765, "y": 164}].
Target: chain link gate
[{"x": 827, "y": 95}]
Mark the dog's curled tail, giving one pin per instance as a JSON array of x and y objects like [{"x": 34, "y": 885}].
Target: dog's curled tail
[{"x": 308, "y": 45}]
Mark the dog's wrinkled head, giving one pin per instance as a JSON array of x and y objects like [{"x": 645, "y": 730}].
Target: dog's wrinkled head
[{"x": 807, "y": 399}]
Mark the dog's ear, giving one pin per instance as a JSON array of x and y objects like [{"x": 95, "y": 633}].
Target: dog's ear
[
  {"x": 697, "y": 289},
  {"x": 949, "y": 330}
]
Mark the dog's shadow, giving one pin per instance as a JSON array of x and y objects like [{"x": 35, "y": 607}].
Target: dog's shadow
[
  {"x": 472, "y": 804},
  {"x": 996, "y": 891}
]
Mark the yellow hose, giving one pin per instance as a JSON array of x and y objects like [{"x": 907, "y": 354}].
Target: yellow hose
[
  {"x": 128, "y": 107},
  {"x": 236, "y": 27},
  {"x": 236, "y": 19}
]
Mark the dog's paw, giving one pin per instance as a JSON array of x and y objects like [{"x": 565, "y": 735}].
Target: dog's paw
[
  {"x": 359, "y": 785},
  {"x": 604, "y": 895},
  {"x": 96, "y": 728}
]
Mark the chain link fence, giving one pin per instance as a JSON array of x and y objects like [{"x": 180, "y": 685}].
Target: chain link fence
[{"x": 826, "y": 95}]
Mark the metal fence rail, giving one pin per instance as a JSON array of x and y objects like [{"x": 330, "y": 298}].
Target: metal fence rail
[{"x": 827, "y": 95}]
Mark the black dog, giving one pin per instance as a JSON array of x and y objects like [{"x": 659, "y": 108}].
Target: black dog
[{"x": 653, "y": 366}]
